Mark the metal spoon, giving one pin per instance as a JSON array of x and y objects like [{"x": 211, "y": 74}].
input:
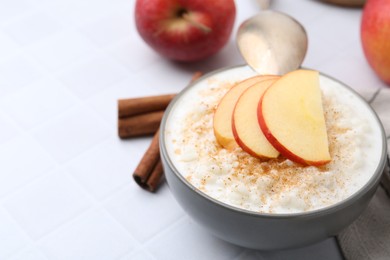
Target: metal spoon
[{"x": 272, "y": 42}]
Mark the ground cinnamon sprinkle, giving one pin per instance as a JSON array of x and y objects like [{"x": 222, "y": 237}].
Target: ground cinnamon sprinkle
[{"x": 240, "y": 179}]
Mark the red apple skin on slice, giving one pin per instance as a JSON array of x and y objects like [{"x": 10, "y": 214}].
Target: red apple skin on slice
[
  {"x": 246, "y": 129},
  {"x": 222, "y": 121},
  {"x": 291, "y": 116}
]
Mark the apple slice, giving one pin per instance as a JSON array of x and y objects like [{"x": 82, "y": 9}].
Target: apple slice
[
  {"x": 245, "y": 126},
  {"x": 223, "y": 114},
  {"x": 291, "y": 117}
]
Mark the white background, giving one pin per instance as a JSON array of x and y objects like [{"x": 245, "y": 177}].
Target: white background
[{"x": 66, "y": 190}]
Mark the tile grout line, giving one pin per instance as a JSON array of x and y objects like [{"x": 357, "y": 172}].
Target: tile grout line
[
  {"x": 143, "y": 245},
  {"x": 96, "y": 204},
  {"x": 18, "y": 189},
  {"x": 23, "y": 132},
  {"x": 21, "y": 229},
  {"x": 57, "y": 165},
  {"x": 99, "y": 205},
  {"x": 28, "y": 133},
  {"x": 163, "y": 231},
  {"x": 13, "y": 124},
  {"x": 134, "y": 252},
  {"x": 100, "y": 51},
  {"x": 62, "y": 167},
  {"x": 18, "y": 17}
]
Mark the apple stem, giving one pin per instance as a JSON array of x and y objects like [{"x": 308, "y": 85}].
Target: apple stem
[{"x": 200, "y": 26}]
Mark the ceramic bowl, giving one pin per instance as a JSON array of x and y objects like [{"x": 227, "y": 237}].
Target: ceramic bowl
[{"x": 260, "y": 230}]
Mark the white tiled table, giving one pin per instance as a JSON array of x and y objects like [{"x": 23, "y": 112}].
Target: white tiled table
[{"x": 65, "y": 178}]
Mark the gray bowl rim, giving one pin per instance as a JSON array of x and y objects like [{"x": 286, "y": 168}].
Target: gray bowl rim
[{"x": 306, "y": 214}]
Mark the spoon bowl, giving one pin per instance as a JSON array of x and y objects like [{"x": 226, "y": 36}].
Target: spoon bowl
[{"x": 272, "y": 43}]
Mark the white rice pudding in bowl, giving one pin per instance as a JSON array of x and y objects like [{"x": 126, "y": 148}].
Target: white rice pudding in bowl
[{"x": 276, "y": 186}]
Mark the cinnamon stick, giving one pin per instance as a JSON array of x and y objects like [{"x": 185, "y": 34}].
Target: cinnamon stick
[
  {"x": 155, "y": 177},
  {"x": 143, "y": 124},
  {"x": 135, "y": 106},
  {"x": 149, "y": 171},
  {"x": 148, "y": 164}
]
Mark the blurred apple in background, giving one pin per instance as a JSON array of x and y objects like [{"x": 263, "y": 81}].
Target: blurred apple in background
[
  {"x": 375, "y": 34},
  {"x": 185, "y": 30}
]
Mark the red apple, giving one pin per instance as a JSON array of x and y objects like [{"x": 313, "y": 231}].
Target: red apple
[
  {"x": 375, "y": 35},
  {"x": 185, "y": 30}
]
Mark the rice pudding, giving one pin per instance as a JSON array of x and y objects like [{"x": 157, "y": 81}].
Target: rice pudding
[{"x": 272, "y": 185}]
